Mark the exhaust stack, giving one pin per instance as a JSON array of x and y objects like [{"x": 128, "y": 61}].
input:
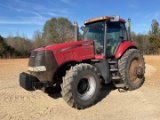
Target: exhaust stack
[
  {"x": 76, "y": 31},
  {"x": 129, "y": 29}
]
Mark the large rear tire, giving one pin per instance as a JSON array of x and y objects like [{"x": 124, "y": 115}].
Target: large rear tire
[
  {"x": 132, "y": 69},
  {"x": 81, "y": 86}
]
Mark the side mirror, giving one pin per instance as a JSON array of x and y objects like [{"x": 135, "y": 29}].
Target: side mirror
[
  {"x": 115, "y": 18},
  {"x": 82, "y": 28}
]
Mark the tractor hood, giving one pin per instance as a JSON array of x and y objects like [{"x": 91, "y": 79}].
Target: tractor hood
[
  {"x": 56, "y": 48},
  {"x": 46, "y": 60},
  {"x": 70, "y": 51}
]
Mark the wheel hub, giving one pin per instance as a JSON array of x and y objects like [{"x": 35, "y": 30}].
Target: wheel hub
[
  {"x": 82, "y": 86},
  {"x": 86, "y": 87},
  {"x": 135, "y": 70},
  {"x": 139, "y": 71}
]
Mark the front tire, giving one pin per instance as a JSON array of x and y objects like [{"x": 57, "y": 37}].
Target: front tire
[
  {"x": 81, "y": 86},
  {"x": 132, "y": 69}
]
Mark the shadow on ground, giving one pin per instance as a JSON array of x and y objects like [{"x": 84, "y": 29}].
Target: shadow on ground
[
  {"x": 105, "y": 90},
  {"x": 54, "y": 92}
]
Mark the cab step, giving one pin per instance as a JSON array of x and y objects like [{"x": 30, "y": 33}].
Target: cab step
[
  {"x": 112, "y": 62},
  {"x": 120, "y": 85},
  {"x": 113, "y": 70},
  {"x": 116, "y": 78}
]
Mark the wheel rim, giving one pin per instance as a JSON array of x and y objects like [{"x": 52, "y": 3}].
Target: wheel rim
[
  {"x": 135, "y": 70},
  {"x": 86, "y": 87}
]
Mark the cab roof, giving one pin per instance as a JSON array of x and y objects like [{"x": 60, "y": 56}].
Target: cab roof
[{"x": 101, "y": 18}]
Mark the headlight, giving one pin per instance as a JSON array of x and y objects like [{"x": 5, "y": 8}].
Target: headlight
[{"x": 37, "y": 69}]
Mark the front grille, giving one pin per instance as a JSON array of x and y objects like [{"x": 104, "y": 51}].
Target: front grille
[{"x": 43, "y": 58}]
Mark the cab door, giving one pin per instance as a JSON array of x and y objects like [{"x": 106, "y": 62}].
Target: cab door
[{"x": 116, "y": 33}]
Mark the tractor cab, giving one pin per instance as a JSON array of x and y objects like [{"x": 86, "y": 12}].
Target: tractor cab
[{"x": 107, "y": 34}]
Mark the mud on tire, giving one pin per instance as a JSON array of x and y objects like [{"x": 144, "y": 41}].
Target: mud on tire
[
  {"x": 132, "y": 68},
  {"x": 81, "y": 86}
]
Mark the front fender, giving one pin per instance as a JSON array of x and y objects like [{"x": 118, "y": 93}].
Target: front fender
[{"x": 123, "y": 47}]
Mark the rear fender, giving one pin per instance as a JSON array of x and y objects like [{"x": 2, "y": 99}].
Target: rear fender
[{"x": 123, "y": 47}]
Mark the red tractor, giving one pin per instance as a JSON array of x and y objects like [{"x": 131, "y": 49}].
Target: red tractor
[{"x": 106, "y": 54}]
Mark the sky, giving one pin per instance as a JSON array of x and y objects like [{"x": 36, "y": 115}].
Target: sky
[{"x": 23, "y": 17}]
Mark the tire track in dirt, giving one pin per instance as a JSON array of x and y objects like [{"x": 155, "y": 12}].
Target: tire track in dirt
[
  {"x": 22, "y": 103},
  {"x": 15, "y": 102},
  {"x": 150, "y": 70}
]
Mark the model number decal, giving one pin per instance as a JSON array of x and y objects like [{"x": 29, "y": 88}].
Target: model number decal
[{"x": 70, "y": 55}]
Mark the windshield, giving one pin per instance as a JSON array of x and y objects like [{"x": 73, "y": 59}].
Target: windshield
[{"x": 95, "y": 32}]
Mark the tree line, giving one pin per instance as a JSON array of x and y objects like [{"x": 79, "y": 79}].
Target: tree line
[
  {"x": 149, "y": 44},
  {"x": 60, "y": 30},
  {"x": 55, "y": 30}
]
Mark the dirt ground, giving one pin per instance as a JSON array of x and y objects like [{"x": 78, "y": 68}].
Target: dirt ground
[{"x": 19, "y": 104}]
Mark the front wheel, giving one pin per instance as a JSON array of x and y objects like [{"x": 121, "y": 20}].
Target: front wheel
[
  {"x": 81, "y": 86},
  {"x": 132, "y": 69}
]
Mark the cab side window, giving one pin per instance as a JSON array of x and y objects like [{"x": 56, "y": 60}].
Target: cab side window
[{"x": 123, "y": 31}]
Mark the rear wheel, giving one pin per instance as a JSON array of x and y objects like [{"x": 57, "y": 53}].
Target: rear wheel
[
  {"x": 81, "y": 86},
  {"x": 132, "y": 69}
]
